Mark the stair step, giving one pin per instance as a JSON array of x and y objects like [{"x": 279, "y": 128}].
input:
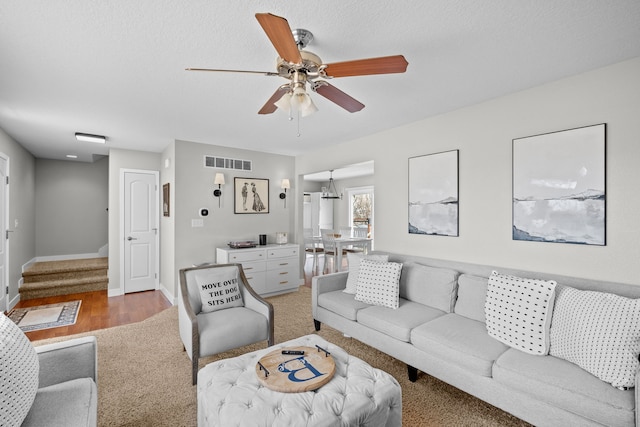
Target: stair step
[
  {"x": 66, "y": 266},
  {"x": 49, "y": 277},
  {"x": 53, "y": 278},
  {"x": 27, "y": 293}
]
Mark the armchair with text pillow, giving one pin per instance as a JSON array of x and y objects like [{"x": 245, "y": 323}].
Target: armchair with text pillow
[{"x": 219, "y": 311}]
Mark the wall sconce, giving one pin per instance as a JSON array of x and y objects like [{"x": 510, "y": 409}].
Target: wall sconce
[
  {"x": 219, "y": 179},
  {"x": 284, "y": 185}
]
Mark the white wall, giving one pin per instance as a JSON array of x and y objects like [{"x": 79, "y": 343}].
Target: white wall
[
  {"x": 483, "y": 133},
  {"x": 71, "y": 206},
  {"x": 22, "y": 242}
]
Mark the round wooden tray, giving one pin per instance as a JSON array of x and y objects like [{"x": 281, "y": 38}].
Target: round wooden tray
[{"x": 289, "y": 373}]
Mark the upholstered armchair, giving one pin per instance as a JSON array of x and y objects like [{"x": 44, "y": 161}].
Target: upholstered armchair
[
  {"x": 49, "y": 385},
  {"x": 219, "y": 311}
]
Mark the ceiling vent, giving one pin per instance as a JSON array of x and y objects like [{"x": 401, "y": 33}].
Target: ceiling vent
[{"x": 227, "y": 163}]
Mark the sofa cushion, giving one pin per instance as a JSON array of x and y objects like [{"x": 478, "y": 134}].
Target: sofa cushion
[
  {"x": 340, "y": 303},
  {"x": 518, "y": 311},
  {"x": 397, "y": 323},
  {"x": 472, "y": 293},
  {"x": 565, "y": 385},
  {"x": 219, "y": 288},
  {"x": 459, "y": 340},
  {"x": 19, "y": 368},
  {"x": 378, "y": 283},
  {"x": 71, "y": 403},
  {"x": 354, "y": 268},
  {"x": 432, "y": 286},
  {"x": 230, "y": 328},
  {"x": 598, "y": 331}
]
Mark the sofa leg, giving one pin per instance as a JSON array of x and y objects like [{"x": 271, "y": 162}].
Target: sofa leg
[
  {"x": 316, "y": 324},
  {"x": 413, "y": 373}
]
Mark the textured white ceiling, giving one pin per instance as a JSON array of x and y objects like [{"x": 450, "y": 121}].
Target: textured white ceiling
[{"x": 116, "y": 68}]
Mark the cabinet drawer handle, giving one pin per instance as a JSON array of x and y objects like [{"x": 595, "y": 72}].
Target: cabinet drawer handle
[
  {"x": 284, "y": 263},
  {"x": 284, "y": 282},
  {"x": 249, "y": 278},
  {"x": 247, "y": 268},
  {"x": 284, "y": 272}
]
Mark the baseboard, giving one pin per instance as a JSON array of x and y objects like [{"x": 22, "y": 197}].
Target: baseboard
[
  {"x": 168, "y": 295},
  {"x": 13, "y": 302},
  {"x": 115, "y": 292},
  {"x": 66, "y": 257}
]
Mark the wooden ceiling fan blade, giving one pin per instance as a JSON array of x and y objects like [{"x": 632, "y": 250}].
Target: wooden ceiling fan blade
[
  {"x": 264, "y": 73},
  {"x": 337, "y": 96},
  {"x": 369, "y": 66},
  {"x": 279, "y": 32},
  {"x": 270, "y": 105}
]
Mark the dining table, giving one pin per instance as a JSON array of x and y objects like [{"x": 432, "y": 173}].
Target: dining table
[{"x": 343, "y": 243}]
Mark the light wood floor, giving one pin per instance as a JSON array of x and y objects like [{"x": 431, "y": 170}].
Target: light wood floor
[{"x": 98, "y": 311}]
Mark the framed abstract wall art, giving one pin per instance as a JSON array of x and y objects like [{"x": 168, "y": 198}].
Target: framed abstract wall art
[
  {"x": 251, "y": 195},
  {"x": 433, "y": 194},
  {"x": 559, "y": 187}
]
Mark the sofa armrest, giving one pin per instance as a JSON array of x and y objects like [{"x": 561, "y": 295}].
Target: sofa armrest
[
  {"x": 68, "y": 360},
  {"x": 637, "y": 397},
  {"x": 326, "y": 283},
  {"x": 329, "y": 282}
]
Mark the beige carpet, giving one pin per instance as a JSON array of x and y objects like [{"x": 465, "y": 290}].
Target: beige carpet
[{"x": 145, "y": 376}]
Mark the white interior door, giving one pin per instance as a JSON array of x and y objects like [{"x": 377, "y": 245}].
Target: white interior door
[
  {"x": 4, "y": 226},
  {"x": 140, "y": 231}
]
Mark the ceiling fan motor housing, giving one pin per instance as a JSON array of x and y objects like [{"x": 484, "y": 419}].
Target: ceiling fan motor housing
[{"x": 310, "y": 66}]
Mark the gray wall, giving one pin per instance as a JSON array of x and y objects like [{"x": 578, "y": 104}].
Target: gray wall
[
  {"x": 122, "y": 159},
  {"x": 194, "y": 190},
  {"x": 71, "y": 206},
  {"x": 22, "y": 242},
  {"x": 168, "y": 275},
  {"x": 483, "y": 133}
]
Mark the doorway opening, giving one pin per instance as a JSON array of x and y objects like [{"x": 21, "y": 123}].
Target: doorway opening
[{"x": 361, "y": 209}]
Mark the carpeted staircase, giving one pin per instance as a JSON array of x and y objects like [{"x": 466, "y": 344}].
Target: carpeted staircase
[{"x": 52, "y": 278}]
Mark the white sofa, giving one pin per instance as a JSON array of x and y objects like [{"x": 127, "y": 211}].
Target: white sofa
[{"x": 440, "y": 329}]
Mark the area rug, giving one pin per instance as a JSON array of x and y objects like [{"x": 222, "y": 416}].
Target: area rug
[
  {"x": 144, "y": 374},
  {"x": 47, "y": 316}
]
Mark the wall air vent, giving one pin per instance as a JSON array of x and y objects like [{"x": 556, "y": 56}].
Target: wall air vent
[{"x": 227, "y": 163}]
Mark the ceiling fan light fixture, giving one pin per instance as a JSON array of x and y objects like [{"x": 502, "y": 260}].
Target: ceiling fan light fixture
[
  {"x": 309, "y": 107},
  {"x": 284, "y": 103}
]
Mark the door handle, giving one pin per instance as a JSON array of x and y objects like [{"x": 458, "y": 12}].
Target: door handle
[{"x": 132, "y": 238}]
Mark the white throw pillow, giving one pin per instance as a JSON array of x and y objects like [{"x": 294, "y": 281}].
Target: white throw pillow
[
  {"x": 518, "y": 311},
  {"x": 354, "y": 269},
  {"x": 379, "y": 283},
  {"x": 19, "y": 369},
  {"x": 219, "y": 288},
  {"x": 598, "y": 331}
]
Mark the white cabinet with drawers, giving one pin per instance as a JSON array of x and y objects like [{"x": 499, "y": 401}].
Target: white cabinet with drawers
[{"x": 270, "y": 269}]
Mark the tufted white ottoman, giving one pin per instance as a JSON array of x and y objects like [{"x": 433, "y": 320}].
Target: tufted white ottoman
[{"x": 229, "y": 394}]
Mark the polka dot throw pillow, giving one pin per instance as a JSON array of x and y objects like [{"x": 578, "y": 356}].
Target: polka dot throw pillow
[
  {"x": 379, "y": 283},
  {"x": 518, "y": 312},
  {"x": 598, "y": 331},
  {"x": 19, "y": 369}
]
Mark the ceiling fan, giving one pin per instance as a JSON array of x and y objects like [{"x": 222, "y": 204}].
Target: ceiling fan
[{"x": 302, "y": 67}]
